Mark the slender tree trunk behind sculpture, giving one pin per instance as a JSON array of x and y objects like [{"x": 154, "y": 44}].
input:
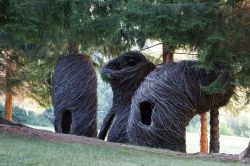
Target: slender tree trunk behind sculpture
[
  {"x": 203, "y": 139},
  {"x": 214, "y": 132},
  {"x": 8, "y": 106},
  {"x": 73, "y": 47},
  {"x": 166, "y": 55},
  {"x": 10, "y": 67}
]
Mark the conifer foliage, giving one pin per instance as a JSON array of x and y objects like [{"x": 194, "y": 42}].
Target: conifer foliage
[{"x": 218, "y": 30}]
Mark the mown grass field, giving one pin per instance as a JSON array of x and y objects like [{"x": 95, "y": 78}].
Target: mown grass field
[
  {"x": 22, "y": 151},
  {"x": 228, "y": 144}
]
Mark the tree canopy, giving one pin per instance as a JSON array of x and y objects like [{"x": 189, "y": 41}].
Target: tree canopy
[
  {"x": 218, "y": 30},
  {"x": 36, "y": 33}
]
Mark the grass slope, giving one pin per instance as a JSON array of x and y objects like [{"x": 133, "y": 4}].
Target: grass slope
[
  {"x": 22, "y": 151},
  {"x": 228, "y": 144}
]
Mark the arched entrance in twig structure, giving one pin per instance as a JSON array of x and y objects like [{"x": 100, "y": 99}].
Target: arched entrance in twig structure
[
  {"x": 146, "y": 109},
  {"x": 66, "y": 122}
]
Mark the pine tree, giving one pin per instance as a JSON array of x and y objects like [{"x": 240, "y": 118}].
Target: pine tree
[
  {"x": 42, "y": 31},
  {"x": 217, "y": 29}
]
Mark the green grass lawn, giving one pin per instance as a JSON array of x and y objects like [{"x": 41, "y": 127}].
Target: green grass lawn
[
  {"x": 228, "y": 144},
  {"x": 21, "y": 151}
]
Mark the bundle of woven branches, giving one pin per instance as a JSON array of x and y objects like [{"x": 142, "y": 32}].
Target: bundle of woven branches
[
  {"x": 125, "y": 74},
  {"x": 74, "y": 96},
  {"x": 245, "y": 155},
  {"x": 167, "y": 100}
]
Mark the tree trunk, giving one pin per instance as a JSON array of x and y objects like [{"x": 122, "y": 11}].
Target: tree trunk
[
  {"x": 10, "y": 68},
  {"x": 8, "y": 106},
  {"x": 73, "y": 48},
  {"x": 166, "y": 55},
  {"x": 214, "y": 132},
  {"x": 203, "y": 139}
]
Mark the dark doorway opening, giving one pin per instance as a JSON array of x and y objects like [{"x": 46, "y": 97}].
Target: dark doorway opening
[
  {"x": 66, "y": 122},
  {"x": 146, "y": 112}
]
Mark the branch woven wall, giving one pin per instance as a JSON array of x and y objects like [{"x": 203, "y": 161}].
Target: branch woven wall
[
  {"x": 167, "y": 100},
  {"x": 125, "y": 74},
  {"x": 74, "y": 96}
]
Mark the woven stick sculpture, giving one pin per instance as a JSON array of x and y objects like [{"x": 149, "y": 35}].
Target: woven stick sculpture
[
  {"x": 74, "y": 96},
  {"x": 167, "y": 100},
  {"x": 125, "y": 75},
  {"x": 245, "y": 155}
]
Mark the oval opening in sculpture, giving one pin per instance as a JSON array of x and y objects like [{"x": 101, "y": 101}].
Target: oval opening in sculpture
[
  {"x": 146, "y": 108},
  {"x": 66, "y": 122}
]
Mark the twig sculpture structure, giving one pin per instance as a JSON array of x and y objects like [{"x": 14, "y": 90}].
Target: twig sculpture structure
[{"x": 74, "y": 96}]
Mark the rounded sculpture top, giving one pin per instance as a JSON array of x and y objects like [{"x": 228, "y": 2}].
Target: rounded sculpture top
[
  {"x": 74, "y": 76},
  {"x": 127, "y": 66}
]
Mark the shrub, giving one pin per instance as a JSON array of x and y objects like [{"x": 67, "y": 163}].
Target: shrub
[{"x": 28, "y": 117}]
